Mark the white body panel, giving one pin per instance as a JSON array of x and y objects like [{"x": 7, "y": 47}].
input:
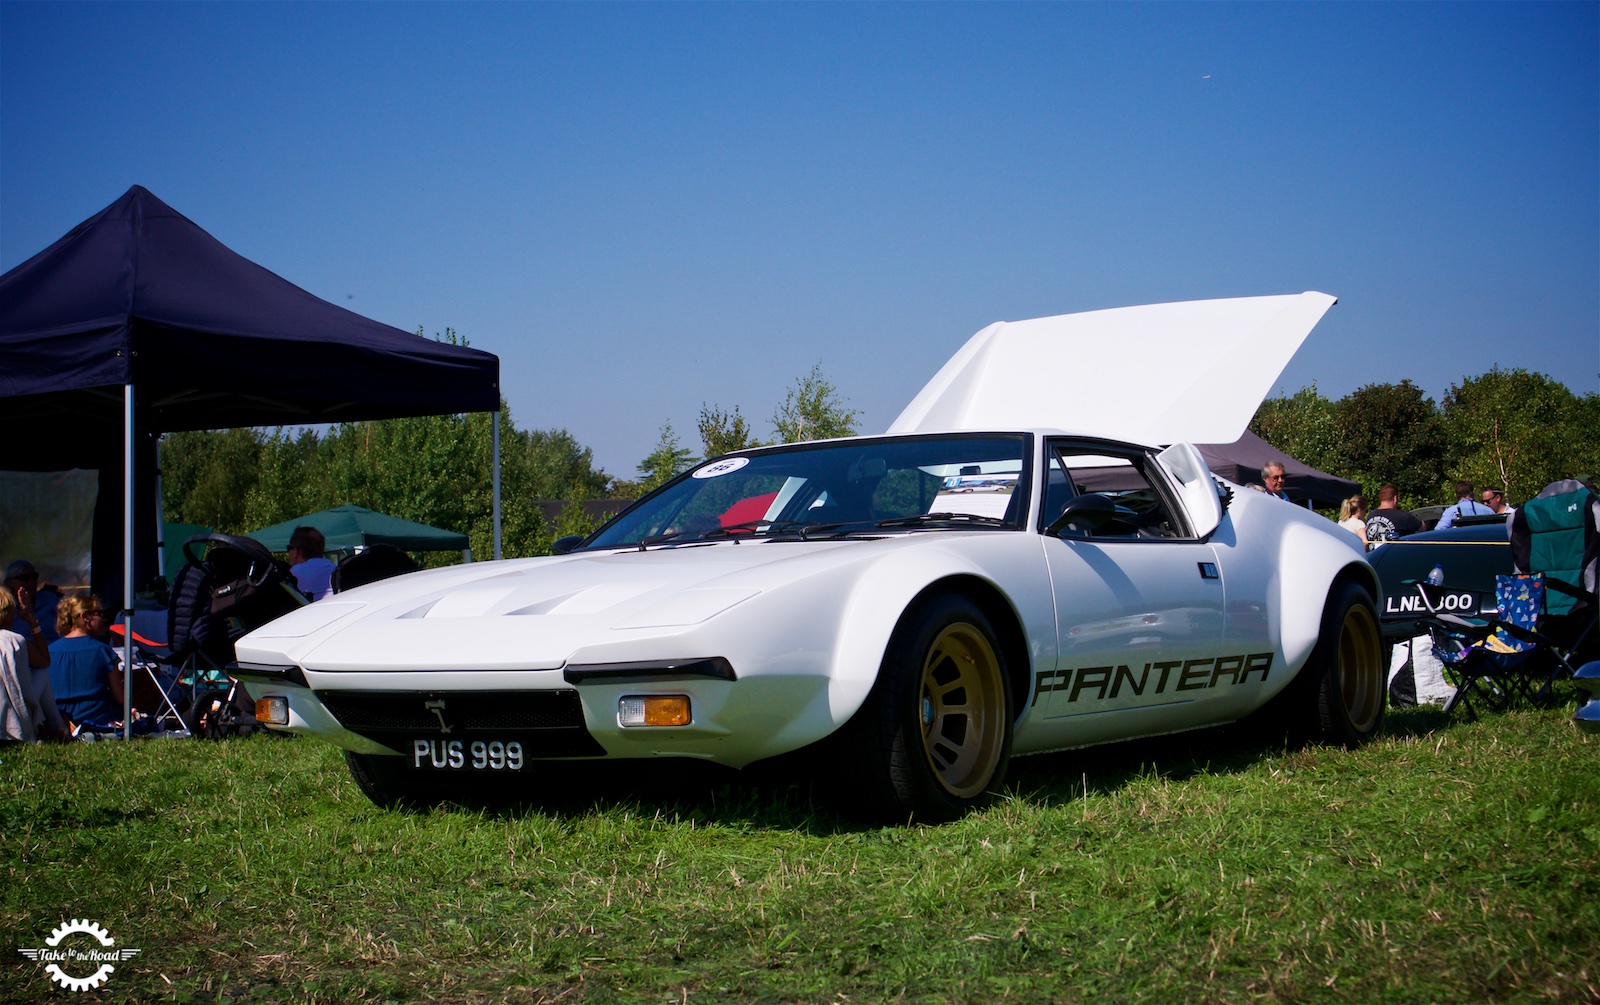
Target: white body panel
[{"x": 1051, "y": 372}]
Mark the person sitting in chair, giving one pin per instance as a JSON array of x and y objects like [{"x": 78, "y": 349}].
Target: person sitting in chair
[
  {"x": 312, "y": 572},
  {"x": 85, "y": 671},
  {"x": 27, "y": 704}
]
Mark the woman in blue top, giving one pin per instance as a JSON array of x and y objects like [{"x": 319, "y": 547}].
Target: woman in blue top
[{"x": 84, "y": 671}]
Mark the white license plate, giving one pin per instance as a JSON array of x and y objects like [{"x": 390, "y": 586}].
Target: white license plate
[{"x": 466, "y": 755}]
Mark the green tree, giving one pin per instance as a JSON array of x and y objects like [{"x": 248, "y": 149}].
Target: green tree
[
  {"x": 723, "y": 432},
  {"x": 813, "y": 410},
  {"x": 668, "y": 460},
  {"x": 1302, "y": 426},
  {"x": 285, "y": 486},
  {"x": 1518, "y": 430},
  {"x": 207, "y": 477},
  {"x": 1391, "y": 433},
  {"x": 559, "y": 467}
]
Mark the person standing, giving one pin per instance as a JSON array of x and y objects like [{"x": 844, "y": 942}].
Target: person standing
[
  {"x": 1353, "y": 517},
  {"x": 1465, "y": 505},
  {"x": 312, "y": 572},
  {"x": 1389, "y": 521},
  {"x": 1495, "y": 499}
]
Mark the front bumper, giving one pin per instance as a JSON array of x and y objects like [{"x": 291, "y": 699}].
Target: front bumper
[{"x": 572, "y": 712}]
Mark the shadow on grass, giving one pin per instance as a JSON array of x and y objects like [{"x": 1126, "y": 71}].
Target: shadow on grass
[
  {"x": 769, "y": 796},
  {"x": 798, "y": 793},
  {"x": 1053, "y": 779}
]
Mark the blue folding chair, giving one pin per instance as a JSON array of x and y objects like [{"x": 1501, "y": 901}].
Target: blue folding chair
[{"x": 1497, "y": 661}]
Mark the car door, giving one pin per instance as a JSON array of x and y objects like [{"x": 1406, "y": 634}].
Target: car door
[{"x": 1139, "y": 595}]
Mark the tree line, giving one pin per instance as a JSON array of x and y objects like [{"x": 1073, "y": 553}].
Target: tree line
[
  {"x": 1511, "y": 429},
  {"x": 1508, "y": 428},
  {"x": 438, "y": 469}
]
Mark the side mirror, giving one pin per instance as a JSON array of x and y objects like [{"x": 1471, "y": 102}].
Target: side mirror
[
  {"x": 1085, "y": 514},
  {"x": 563, "y": 545}
]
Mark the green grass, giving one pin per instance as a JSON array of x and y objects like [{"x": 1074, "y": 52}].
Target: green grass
[{"x": 1446, "y": 863}]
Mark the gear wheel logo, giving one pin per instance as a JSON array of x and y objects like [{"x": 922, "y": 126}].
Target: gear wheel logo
[{"x": 78, "y": 959}]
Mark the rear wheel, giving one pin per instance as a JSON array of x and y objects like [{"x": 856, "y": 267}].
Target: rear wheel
[
  {"x": 934, "y": 736},
  {"x": 1348, "y": 686}
]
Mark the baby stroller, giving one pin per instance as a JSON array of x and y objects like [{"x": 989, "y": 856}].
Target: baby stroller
[{"x": 230, "y": 586}]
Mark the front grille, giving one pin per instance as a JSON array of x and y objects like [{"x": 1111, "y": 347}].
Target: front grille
[{"x": 548, "y": 723}]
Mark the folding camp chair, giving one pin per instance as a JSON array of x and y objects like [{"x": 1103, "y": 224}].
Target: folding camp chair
[
  {"x": 377, "y": 562},
  {"x": 1545, "y": 614},
  {"x": 1496, "y": 662},
  {"x": 1556, "y": 535},
  {"x": 157, "y": 690}
]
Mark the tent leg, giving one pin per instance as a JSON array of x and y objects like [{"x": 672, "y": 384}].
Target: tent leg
[
  {"x": 495, "y": 437},
  {"x": 127, "y": 562},
  {"x": 161, "y": 519}
]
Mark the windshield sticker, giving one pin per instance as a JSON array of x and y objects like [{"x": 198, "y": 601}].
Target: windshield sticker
[
  {"x": 722, "y": 467},
  {"x": 977, "y": 494}
]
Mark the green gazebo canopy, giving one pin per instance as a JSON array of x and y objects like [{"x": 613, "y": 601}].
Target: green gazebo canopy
[{"x": 358, "y": 527}]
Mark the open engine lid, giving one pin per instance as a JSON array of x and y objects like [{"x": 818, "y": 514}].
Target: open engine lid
[{"x": 1193, "y": 371}]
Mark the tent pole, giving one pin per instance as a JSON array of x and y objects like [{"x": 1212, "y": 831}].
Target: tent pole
[
  {"x": 495, "y": 437},
  {"x": 127, "y": 562},
  {"x": 161, "y": 520}
]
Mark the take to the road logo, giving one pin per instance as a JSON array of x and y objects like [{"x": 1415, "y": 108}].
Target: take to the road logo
[{"x": 79, "y": 947}]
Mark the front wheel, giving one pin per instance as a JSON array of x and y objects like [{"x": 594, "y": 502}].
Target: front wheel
[
  {"x": 934, "y": 736},
  {"x": 1347, "y": 686},
  {"x": 378, "y": 779}
]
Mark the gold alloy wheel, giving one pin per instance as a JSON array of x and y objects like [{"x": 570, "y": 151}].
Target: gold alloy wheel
[
  {"x": 1361, "y": 677},
  {"x": 962, "y": 706}
]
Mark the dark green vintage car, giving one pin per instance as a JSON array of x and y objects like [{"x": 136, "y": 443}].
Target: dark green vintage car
[{"x": 1471, "y": 554}]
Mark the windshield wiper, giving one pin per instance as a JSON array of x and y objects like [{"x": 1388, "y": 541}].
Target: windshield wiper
[
  {"x": 943, "y": 520},
  {"x": 753, "y": 528}
]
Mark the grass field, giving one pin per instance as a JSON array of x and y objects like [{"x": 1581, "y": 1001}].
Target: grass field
[{"x": 1446, "y": 863}]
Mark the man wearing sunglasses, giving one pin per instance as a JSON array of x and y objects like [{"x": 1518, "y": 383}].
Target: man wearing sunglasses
[
  {"x": 1495, "y": 499},
  {"x": 1272, "y": 476}
]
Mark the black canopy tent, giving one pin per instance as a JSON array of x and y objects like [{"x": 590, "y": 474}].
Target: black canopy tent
[
  {"x": 1241, "y": 461},
  {"x": 138, "y": 322}
]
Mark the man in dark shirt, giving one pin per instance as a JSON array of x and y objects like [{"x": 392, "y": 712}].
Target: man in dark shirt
[{"x": 1389, "y": 521}]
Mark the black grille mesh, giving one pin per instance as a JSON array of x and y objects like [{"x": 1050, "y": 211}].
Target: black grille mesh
[{"x": 466, "y": 710}]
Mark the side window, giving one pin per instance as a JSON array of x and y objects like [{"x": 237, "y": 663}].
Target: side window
[{"x": 1139, "y": 509}]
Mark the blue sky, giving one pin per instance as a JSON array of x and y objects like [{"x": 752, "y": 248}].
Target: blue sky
[{"x": 641, "y": 209}]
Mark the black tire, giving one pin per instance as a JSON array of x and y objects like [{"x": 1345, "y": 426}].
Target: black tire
[
  {"x": 387, "y": 781},
  {"x": 379, "y": 780},
  {"x": 1347, "y": 686},
  {"x": 934, "y": 736}
]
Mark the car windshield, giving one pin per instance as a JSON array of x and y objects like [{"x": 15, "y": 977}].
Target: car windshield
[{"x": 816, "y": 490}]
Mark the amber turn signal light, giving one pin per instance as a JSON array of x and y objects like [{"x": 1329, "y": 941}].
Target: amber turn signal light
[
  {"x": 273, "y": 710},
  {"x": 653, "y": 710}
]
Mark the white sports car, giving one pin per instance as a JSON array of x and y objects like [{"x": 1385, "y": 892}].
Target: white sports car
[{"x": 1011, "y": 569}]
